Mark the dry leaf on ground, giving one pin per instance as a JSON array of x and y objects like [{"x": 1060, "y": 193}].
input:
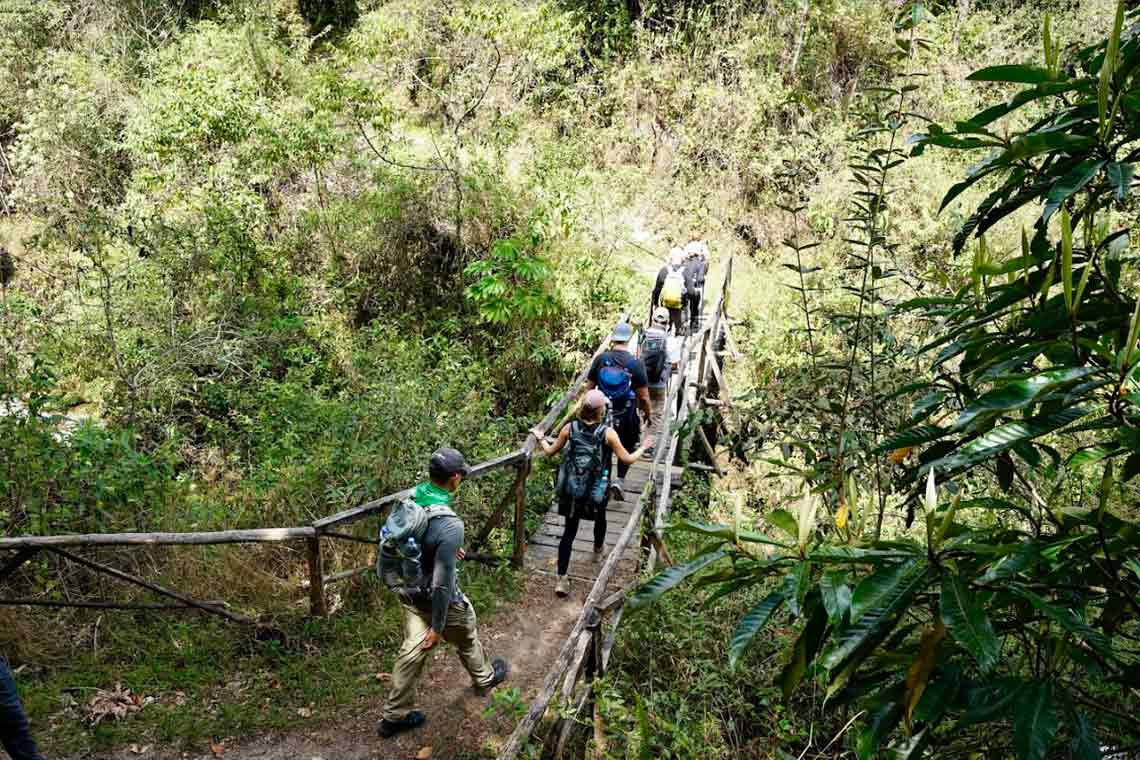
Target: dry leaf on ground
[
  {"x": 424, "y": 753},
  {"x": 115, "y": 703}
]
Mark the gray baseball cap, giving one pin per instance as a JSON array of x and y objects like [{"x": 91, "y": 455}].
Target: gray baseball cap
[
  {"x": 446, "y": 462},
  {"x": 622, "y": 333}
]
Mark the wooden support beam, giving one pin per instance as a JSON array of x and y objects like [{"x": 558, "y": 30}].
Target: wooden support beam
[
  {"x": 317, "y": 606},
  {"x": 496, "y": 517},
  {"x": 12, "y": 565},
  {"x": 721, "y": 385},
  {"x": 159, "y": 539},
  {"x": 520, "y": 514},
  {"x": 704, "y": 439},
  {"x": 101, "y": 605},
  {"x": 734, "y": 352},
  {"x": 160, "y": 590}
]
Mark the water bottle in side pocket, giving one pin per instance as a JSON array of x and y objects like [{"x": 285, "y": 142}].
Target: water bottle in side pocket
[{"x": 601, "y": 485}]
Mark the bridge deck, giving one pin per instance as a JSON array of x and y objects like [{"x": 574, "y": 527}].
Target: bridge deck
[{"x": 542, "y": 551}]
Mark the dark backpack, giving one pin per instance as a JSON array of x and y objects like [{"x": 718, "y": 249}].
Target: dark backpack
[
  {"x": 580, "y": 474},
  {"x": 616, "y": 382},
  {"x": 654, "y": 351}
]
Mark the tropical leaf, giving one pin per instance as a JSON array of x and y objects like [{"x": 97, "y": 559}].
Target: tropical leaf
[
  {"x": 751, "y": 624},
  {"x": 1067, "y": 619},
  {"x": 895, "y": 594},
  {"x": 785, "y": 521},
  {"x": 1085, "y": 744},
  {"x": 669, "y": 579},
  {"x": 1005, "y": 436},
  {"x": 1020, "y": 393},
  {"x": 878, "y": 586},
  {"x": 836, "y": 595},
  {"x": 726, "y": 532},
  {"x": 1012, "y": 73},
  {"x": 912, "y": 437},
  {"x": 807, "y": 646},
  {"x": 1120, "y": 178},
  {"x": 1034, "y": 721},
  {"x": 968, "y": 623}
]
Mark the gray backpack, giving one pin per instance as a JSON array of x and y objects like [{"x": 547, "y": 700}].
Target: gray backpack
[{"x": 402, "y": 536}]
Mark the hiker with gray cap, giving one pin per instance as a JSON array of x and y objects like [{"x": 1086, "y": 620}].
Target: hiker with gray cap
[
  {"x": 622, "y": 378},
  {"x": 419, "y": 545}
]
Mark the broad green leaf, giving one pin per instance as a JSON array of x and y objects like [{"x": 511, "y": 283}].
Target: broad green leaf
[
  {"x": 1011, "y": 564},
  {"x": 859, "y": 555},
  {"x": 1068, "y": 620},
  {"x": 751, "y": 624},
  {"x": 1019, "y": 393},
  {"x": 1085, "y": 744},
  {"x": 785, "y": 521},
  {"x": 912, "y": 437},
  {"x": 671, "y": 578},
  {"x": 1120, "y": 178},
  {"x": 1034, "y": 721},
  {"x": 1012, "y": 73},
  {"x": 968, "y": 623},
  {"x": 1044, "y": 142},
  {"x": 720, "y": 531},
  {"x": 1001, "y": 438},
  {"x": 1071, "y": 183},
  {"x": 893, "y": 593},
  {"x": 805, "y": 649},
  {"x": 836, "y": 595},
  {"x": 879, "y": 585}
]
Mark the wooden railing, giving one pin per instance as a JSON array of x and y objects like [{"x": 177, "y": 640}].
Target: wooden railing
[
  {"x": 586, "y": 651},
  {"x": 26, "y": 547}
]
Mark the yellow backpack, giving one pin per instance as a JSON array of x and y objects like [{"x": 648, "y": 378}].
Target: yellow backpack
[{"x": 673, "y": 291}]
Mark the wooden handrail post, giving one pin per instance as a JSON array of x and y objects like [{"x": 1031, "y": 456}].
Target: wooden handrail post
[
  {"x": 520, "y": 513},
  {"x": 317, "y": 606}
]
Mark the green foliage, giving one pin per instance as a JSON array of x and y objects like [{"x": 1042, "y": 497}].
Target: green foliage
[
  {"x": 1006, "y": 632},
  {"x": 512, "y": 283}
]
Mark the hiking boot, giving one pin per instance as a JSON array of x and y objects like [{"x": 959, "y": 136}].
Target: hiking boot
[
  {"x": 389, "y": 728},
  {"x": 562, "y": 588},
  {"x": 501, "y": 670},
  {"x": 615, "y": 491}
]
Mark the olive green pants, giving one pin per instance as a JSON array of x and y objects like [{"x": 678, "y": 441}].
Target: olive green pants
[{"x": 461, "y": 632}]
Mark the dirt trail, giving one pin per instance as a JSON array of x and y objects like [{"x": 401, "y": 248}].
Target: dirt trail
[{"x": 529, "y": 633}]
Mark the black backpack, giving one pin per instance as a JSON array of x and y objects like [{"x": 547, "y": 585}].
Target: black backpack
[
  {"x": 580, "y": 474},
  {"x": 654, "y": 352}
]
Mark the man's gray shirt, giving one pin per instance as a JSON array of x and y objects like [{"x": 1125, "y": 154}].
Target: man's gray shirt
[{"x": 442, "y": 540}]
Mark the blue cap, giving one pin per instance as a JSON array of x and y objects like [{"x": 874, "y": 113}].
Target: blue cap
[{"x": 623, "y": 332}]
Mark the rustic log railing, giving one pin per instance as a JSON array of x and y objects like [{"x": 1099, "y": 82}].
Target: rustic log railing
[
  {"x": 586, "y": 651},
  {"x": 26, "y": 547}
]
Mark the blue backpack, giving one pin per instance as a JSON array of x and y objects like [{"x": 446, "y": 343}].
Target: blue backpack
[{"x": 616, "y": 382}]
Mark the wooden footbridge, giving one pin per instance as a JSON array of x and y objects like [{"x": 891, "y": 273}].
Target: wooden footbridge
[{"x": 633, "y": 540}]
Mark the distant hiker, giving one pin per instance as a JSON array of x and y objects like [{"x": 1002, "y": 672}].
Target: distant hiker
[
  {"x": 660, "y": 352},
  {"x": 696, "y": 267},
  {"x": 419, "y": 545},
  {"x": 583, "y": 476},
  {"x": 621, "y": 377},
  {"x": 672, "y": 289},
  {"x": 14, "y": 734}
]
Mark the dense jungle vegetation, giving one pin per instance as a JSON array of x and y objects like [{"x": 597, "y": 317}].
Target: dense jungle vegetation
[{"x": 259, "y": 256}]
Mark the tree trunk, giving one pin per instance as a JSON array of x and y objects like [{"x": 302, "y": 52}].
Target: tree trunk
[
  {"x": 801, "y": 35},
  {"x": 963, "y": 12}
]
